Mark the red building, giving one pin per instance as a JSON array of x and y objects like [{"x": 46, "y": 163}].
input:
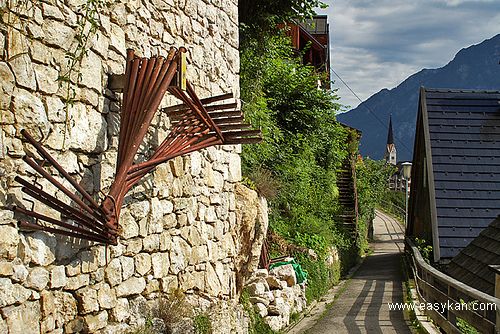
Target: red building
[{"x": 311, "y": 39}]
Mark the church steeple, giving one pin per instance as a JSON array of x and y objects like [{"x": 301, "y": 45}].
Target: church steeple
[
  {"x": 390, "y": 150},
  {"x": 390, "y": 136}
]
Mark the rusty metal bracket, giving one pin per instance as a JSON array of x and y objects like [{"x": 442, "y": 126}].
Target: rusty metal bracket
[{"x": 196, "y": 124}]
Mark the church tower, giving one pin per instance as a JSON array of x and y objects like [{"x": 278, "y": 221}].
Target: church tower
[{"x": 390, "y": 150}]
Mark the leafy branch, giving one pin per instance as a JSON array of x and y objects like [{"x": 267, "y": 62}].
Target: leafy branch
[{"x": 88, "y": 25}]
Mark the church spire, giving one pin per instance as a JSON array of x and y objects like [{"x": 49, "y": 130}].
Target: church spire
[
  {"x": 390, "y": 150},
  {"x": 390, "y": 136}
]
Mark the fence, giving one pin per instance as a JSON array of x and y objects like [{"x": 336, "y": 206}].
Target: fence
[{"x": 436, "y": 288}]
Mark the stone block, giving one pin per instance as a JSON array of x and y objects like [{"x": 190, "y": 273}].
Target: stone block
[
  {"x": 7, "y": 269},
  {"x": 12, "y": 293},
  {"x": 74, "y": 267},
  {"x": 87, "y": 300},
  {"x": 76, "y": 282},
  {"x": 132, "y": 286},
  {"x": 95, "y": 322},
  {"x": 121, "y": 312},
  {"x": 20, "y": 273},
  {"x": 212, "y": 283},
  {"x": 285, "y": 273},
  {"x": 180, "y": 253},
  {"x": 24, "y": 318},
  {"x": 151, "y": 243},
  {"x": 46, "y": 78},
  {"x": 117, "y": 40},
  {"x": 160, "y": 263},
  {"x": 134, "y": 246},
  {"x": 142, "y": 263},
  {"x": 127, "y": 267},
  {"x": 91, "y": 71},
  {"x": 38, "y": 279},
  {"x": 87, "y": 132},
  {"x": 8, "y": 84},
  {"x": 113, "y": 272},
  {"x": 129, "y": 226},
  {"x": 261, "y": 309},
  {"x": 106, "y": 296},
  {"x": 58, "y": 34}
]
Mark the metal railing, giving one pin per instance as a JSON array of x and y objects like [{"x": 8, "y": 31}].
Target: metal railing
[
  {"x": 393, "y": 208},
  {"x": 434, "y": 288}
]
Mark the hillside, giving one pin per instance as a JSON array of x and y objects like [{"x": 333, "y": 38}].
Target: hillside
[{"x": 475, "y": 67}]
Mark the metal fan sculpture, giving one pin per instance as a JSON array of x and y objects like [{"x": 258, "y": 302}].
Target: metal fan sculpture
[{"x": 196, "y": 124}]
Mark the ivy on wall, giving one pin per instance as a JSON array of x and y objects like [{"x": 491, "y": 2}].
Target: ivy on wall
[{"x": 18, "y": 14}]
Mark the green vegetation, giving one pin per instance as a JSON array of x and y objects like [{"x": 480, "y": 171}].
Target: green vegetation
[
  {"x": 302, "y": 149},
  {"x": 394, "y": 204},
  {"x": 463, "y": 325},
  {"x": 371, "y": 184},
  {"x": 296, "y": 165},
  {"x": 202, "y": 324},
  {"x": 425, "y": 249},
  {"x": 257, "y": 324}
]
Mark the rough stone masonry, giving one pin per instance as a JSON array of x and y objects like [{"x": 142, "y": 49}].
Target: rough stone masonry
[{"x": 188, "y": 226}]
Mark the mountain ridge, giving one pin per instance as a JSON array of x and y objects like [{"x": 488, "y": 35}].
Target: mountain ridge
[{"x": 473, "y": 67}]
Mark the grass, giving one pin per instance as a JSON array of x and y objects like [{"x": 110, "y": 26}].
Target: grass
[{"x": 202, "y": 324}]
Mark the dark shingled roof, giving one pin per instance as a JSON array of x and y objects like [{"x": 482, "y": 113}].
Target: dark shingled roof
[
  {"x": 464, "y": 132},
  {"x": 471, "y": 264}
]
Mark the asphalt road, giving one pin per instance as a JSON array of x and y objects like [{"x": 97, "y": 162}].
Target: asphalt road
[{"x": 363, "y": 306}]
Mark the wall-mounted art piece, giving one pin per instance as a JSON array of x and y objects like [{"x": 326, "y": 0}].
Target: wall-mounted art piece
[{"x": 196, "y": 124}]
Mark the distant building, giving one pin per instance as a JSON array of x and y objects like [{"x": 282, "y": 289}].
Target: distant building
[
  {"x": 390, "y": 149},
  {"x": 396, "y": 181},
  {"x": 312, "y": 39},
  {"x": 456, "y": 168}
]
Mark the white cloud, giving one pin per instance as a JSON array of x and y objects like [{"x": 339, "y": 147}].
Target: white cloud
[{"x": 376, "y": 44}]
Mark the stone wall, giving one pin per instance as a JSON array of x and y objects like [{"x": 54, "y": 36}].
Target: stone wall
[{"x": 184, "y": 227}]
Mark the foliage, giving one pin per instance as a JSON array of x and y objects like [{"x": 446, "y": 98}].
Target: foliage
[
  {"x": 88, "y": 23},
  {"x": 425, "y": 249},
  {"x": 302, "y": 149},
  {"x": 262, "y": 15},
  {"x": 87, "y": 28},
  {"x": 372, "y": 177},
  {"x": 202, "y": 324},
  {"x": 257, "y": 324},
  {"x": 321, "y": 276},
  {"x": 463, "y": 325},
  {"x": 394, "y": 203},
  {"x": 264, "y": 182},
  {"x": 172, "y": 308}
]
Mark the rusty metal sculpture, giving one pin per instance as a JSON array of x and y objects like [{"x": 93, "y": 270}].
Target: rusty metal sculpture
[{"x": 196, "y": 124}]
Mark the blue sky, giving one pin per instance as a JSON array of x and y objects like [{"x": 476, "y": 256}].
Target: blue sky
[{"x": 376, "y": 44}]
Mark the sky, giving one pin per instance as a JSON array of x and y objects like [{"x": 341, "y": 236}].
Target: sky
[{"x": 376, "y": 44}]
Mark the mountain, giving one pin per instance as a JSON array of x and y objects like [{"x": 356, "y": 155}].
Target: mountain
[{"x": 475, "y": 67}]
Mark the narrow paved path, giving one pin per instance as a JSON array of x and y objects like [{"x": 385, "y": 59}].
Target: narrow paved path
[{"x": 362, "y": 307}]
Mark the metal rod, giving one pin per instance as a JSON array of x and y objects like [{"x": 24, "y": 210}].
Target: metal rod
[
  {"x": 128, "y": 63},
  {"x": 197, "y": 101},
  {"x": 242, "y": 141},
  {"x": 49, "y": 177},
  {"x": 59, "y": 168},
  {"x": 66, "y": 233},
  {"x": 60, "y": 206},
  {"x": 125, "y": 110},
  {"x": 60, "y": 223},
  {"x": 228, "y": 120},
  {"x": 217, "y": 115},
  {"x": 209, "y": 109},
  {"x": 229, "y": 127},
  {"x": 228, "y": 134}
]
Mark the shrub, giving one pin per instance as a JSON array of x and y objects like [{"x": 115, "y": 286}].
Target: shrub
[{"x": 202, "y": 323}]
